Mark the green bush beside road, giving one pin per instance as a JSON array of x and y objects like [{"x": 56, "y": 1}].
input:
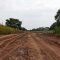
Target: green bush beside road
[{"x": 7, "y": 30}]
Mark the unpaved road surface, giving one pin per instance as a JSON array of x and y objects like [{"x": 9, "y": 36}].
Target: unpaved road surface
[{"x": 29, "y": 46}]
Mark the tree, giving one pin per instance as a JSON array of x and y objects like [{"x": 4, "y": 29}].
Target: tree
[
  {"x": 57, "y": 18},
  {"x": 24, "y": 29},
  {"x": 53, "y": 26},
  {"x": 14, "y": 23},
  {"x": 57, "y": 23}
]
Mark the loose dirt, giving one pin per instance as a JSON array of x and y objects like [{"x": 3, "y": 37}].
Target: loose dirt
[{"x": 29, "y": 46}]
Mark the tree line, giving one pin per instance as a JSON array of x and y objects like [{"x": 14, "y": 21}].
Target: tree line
[
  {"x": 55, "y": 27},
  {"x": 11, "y": 26},
  {"x": 16, "y": 24}
]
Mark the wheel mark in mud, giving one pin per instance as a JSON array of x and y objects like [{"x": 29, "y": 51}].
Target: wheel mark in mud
[
  {"x": 7, "y": 42},
  {"x": 29, "y": 47},
  {"x": 51, "y": 52},
  {"x": 11, "y": 47}
]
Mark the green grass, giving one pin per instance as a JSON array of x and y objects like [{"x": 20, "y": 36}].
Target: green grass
[{"x": 8, "y": 30}]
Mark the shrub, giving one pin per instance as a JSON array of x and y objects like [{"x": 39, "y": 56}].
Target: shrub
[
  {"x": 7, "y": 30},
  {"x": 57, "y": 30}
]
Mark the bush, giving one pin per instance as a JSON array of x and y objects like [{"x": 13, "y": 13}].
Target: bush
[
  {"x": 57, "y": 30},
  {"x": 7, "y": 30}
]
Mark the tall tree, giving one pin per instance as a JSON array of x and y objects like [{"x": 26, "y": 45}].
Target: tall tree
[
  {"x": 57, "y": 18},
  {"x": 15, "y": 23}
]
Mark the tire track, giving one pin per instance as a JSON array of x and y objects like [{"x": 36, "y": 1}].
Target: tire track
[
  {"x": 11, "y": 46},
  {"x": 47, "y": 50},
  {"x": 6, "y": 42},
  {"x": 3, "y": 38},
  {"x": 53, "y": 42},
  {"x": 27, "y": 50},
  {"x": 29, "y": 46}
]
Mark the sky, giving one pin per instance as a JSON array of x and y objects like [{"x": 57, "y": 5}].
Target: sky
[{"x": 32, "y": 13}]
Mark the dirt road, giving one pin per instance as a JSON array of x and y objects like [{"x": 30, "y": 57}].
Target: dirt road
[{"x": 29, "y": 46}]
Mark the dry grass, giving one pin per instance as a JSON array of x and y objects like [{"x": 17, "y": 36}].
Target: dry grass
[{"x": 7, "y": 30}]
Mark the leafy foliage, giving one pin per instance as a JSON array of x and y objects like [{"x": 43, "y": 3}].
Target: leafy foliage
[
  {"x": 14, "y": 23},
  {"x": 53, "y": 26},
  {"x": 57, "y": 18},
  {"x": 23, "y": 29},
  {"x": 56, "y": 26}
]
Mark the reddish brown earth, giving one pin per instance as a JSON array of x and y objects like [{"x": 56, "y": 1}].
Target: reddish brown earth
[{"x": 30, "y": 46}]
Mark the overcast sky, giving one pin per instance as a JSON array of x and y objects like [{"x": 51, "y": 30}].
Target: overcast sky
[{"x": 33, "y": 13}]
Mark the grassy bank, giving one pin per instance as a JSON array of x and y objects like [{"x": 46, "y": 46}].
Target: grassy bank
[{"x": 8, "y": 30}]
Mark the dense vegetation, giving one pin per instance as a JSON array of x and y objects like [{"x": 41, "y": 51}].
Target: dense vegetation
[
  {"x": 14, "y": 23},
  {"x": 8, "y": 30},
  {"x": 41, "y": 29},
  {"x": 56, "y": 26},
  {"x": 12, "y": 26}
]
